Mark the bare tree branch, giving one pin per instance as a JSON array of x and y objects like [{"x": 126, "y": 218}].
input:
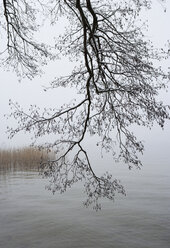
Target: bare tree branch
[{"x": 116, "y": 76}]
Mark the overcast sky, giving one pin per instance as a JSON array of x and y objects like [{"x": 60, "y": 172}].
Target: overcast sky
[{"x": 31, "y": 92}]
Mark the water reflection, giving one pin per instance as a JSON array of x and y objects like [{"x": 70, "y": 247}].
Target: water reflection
[
  {"x": 14, "y": 167},
  {"x": 30, "y": 216}
]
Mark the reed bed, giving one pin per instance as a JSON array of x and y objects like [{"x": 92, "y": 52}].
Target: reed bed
[{"x": 25, "y": 158}]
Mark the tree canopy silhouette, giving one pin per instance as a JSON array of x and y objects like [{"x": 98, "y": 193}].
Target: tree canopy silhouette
[{"x": 115, "y": 73}]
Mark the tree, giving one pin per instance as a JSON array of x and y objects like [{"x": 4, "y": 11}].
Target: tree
[{"x": 115, "y": 73}]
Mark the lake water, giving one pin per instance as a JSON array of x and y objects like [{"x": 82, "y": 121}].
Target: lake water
[{"x": 31, "y": 217}]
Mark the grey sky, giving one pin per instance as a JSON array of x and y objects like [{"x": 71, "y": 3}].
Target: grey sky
[{"x": 31, "y": 92}]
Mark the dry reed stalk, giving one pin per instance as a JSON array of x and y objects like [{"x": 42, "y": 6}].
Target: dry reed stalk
[{"x": 24, "y": 157}]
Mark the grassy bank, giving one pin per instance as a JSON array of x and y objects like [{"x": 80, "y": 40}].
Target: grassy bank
[{"x": 26, "y": 157}]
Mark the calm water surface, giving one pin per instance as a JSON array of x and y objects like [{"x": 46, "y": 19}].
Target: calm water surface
[{"x": 31, "y": 217}]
